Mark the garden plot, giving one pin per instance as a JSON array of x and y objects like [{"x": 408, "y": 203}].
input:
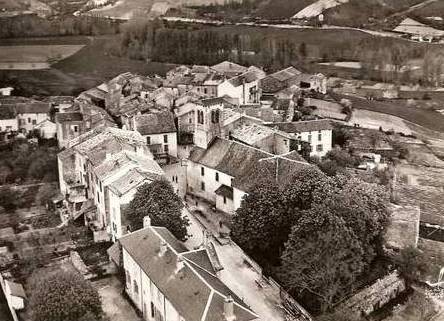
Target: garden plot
[{"x": 34, "y": 57}]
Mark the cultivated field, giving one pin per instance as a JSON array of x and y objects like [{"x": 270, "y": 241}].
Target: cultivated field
[{"x": 34, "y": 56}]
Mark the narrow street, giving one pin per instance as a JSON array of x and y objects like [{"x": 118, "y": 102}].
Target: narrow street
[{"x": 239, "y": 277}]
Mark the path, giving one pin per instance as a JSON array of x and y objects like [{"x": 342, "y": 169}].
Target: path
[
  {"x": 413, "y": 8},
  {"x": 238, "y": 276}
]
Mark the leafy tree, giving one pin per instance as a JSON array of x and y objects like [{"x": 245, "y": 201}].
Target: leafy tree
[
  {"x": 323, "y": 256},
  {"x": 411, "y": 263},
  {"x": 260, "y": 217},
  {"x": 62, "y": 296},
  {"x": 8, "y": 199},
  {"x": 164, "y": 207}
]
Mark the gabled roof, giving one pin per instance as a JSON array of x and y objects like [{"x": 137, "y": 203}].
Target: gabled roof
[
  {"x": 16, "y": 289},
  {"x": 126, "y": 159},
  {"x": 286, "y": 74},
  {"x": 194, "y": 291},
  {"x": 155, "y": 123},
  {"x": 226, "y": 191},
  {"x": 246, "y": 77},
  {"x": 131, "y": 180},
  {"x": 227, "y": 156},
  {"x": 303, "y": 126},
  {"x": 229, "y": 68}
]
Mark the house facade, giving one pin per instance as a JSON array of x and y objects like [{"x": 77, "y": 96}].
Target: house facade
[
  {"x": 316, "y": 132},
  {"x": 167, "y": 282},
  {"x": 31, "y": 114},
  {"x": 245, "y": 88},
  {"x": 159, "y": 132}
]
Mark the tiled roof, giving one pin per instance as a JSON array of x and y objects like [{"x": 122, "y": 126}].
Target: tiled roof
[
  {"x": 246, "y": 77},
  {"x": 155, "y": 123},
  {"x": 213, "y": 101},
  {"x": 132, "y": 179},
  {"x": 229, "y": 157},
  {"x": 286, "y": 74},
  {"x": 225, "y": 190},
  {"x": 303, "y": 126},
  {"x": 271, "y": 85},
  {"x": 126, "y": 159},
  {"x": 16, "y": 289},
  {"x": 251, "y": 133},
  {"x": 280, "y": 169},
  {"x": 227, "y": 67},
  {"x": 195, "y": 293},
  {"x": 7, "y": 112},
  {"x": 33, "y": 108},
  {"x": 65, "y": 117}
]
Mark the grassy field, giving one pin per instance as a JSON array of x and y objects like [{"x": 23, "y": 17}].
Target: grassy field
[
  {"x": 427, "y": 118},
  {"x": 87, "y": 68},
  {"x": 30, "y": 57},
  {"x": 435, "y": 9}
]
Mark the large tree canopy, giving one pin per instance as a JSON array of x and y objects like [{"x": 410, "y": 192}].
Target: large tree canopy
[
  {"x": 63, "y": 296},
  {"x": 319, "y": 232},
  {"x": 163, "y": 206}
]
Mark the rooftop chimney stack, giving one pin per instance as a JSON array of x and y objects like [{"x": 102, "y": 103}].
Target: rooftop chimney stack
[
  {"x": 163, "y": 248},
  {"x": 179, "y": 265},
  {"x": 229, "y": 309},
  {"x": 146, "y": 221}
]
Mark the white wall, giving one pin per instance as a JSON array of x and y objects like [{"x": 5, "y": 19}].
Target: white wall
[
  {"x": 171, "y": 142},
  {"x": 148, "y": 292},
  {"x": 195, "y": 178},
  {"x": 237, "y": 198},
  {"x": 313, "y": 139},
  {"x": 29, "y": 121},
  {"x": 115, "y": 201},
  {"x": 12, "y": 123},
  {"x": 227, "y": 206},
  {"x": 241, "y": 92}
]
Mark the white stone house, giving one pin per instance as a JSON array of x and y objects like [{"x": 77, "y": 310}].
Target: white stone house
[
  {"x": 159, "y": 132},
  {"x": 15, "y": 294},
  {"x": 8, "y": 120},
  {"x": 227, "y": 170},
  {"x": 316, "y": 132},
  {"x": 167, "y": 282},
  {"x": 245, "y": 88},
  {"x": 30, "y": 114}
]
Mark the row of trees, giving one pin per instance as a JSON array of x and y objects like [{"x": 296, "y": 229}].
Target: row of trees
[
  {"x": 317, "y": 234},
  {"x": 159, "y": 41},
  {"x": 33, "y": 26}
]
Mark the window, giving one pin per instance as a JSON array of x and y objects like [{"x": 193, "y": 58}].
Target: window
[
  {"x": 136, "y": 287},
  {"x": 76, "y": 129},
  {"x": 200, "y": 117},
  {"x": 319, "y": 136},
  {"x": 309, "y": 138},
  {"x": 190, "y": 121},
  {"x": 165, "y": 138},
  {"x": 217, "y": 177},
  {"x": 152, "y": 309},
  {"x": 202, "y": 186},
  {"x": 148, "y": 140},
  {"x": 29, "y": 120},
  {"x": 319, "y": 148},
  {"x": 166, "y": 148},
  {"x": 34, "y": 121},
  {"x": 205, "y": 90},
  {"x": 225, "y": 200},
  {"x": 98, "y": 197},
  {"x": 285, "y": 142},
  {"x": 100, "y": 183},
  {"x": 128, "y": 278},
  {"x": 202, "y": 171}
]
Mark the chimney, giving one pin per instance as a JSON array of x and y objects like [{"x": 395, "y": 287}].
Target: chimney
[
  {"x": 163, "y": 248},
  {"x": 146, "y": 221},
  {"x": 229, "y": 309},
  {"x": 179, "y": 264}
]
